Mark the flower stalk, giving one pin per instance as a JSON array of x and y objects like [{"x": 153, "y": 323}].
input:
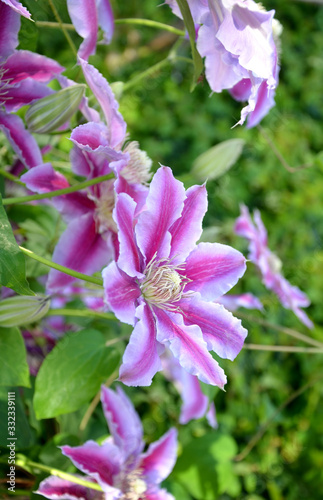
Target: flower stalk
[
  {"x": 63, "y": 269},
  {"x": 58, "y": 192}
]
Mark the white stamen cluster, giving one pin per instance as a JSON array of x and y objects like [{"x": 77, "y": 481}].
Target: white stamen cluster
[
  {"x": 133, "y": 486},
  {"x": 137, "y": 171},
  {"x": 104, "y": 207},
  {"x": 163, "y": 284}
]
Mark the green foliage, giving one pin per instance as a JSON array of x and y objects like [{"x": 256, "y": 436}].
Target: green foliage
[
  {"x": 73, "y": 373},
  {"x": 13, "y": 367},
  {"x": 12, "y": 261}
]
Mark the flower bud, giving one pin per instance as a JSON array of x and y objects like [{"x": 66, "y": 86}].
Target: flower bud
[
  {"x": 23, "y": 310},
  {"x": 53, "y": 111}
]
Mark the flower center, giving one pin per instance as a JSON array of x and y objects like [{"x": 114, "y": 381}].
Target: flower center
[
  {"x": 105, "y": 203},
  {"x": 4, "y": 84},
  {"x": 275, "y": 263},
  {"x": 137, "y": 171},
  {"x": 163, "y": 284},
  {"x": 133, "y": 486}
]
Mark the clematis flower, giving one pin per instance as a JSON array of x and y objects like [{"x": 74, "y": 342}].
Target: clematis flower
[
  {"x": 195, "y": 404},
  {"x": 236, "y": 38},
  {"x": 164, "y": 284},
  {"x": 87, "y": 16},
  {"x": 23, "y": 79},
  {"x": 90, "y": 239},
  {"x": 119, "y": 465},
  {"x": 246, "y": 300},
  {"x": 269, "y": 264}
]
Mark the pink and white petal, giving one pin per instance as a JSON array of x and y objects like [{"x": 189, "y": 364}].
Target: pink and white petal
[
  {"x": 102, "y": 91},
  {"x": 22, "y": 142},
  {"x": 137, "y": 192},
  {"x": 302, "y": 316},
  {"x": 129, "y": 257},
  {"x": 211, "y": 416},
  {"x": 106, "y": 19},
  {"x": 195, "y": 403},
  {"x": 44, "y": 179},
  {"x": 158, "y": 494},
  {"x": 102, "y": 463},
  {"x": 24, "y": 64},
  {"x": 84, "y": 17},
  {"x": 188, "y": 346},
  {"x": 159, "y": 460},
  {"x": 246, "y": 300},
  {"x": 123, "y": 421},
  {"x": 79, "y": 248},
  {"x": 164, "y": 205},
  {"x": 214, "y": 269},
  {"x": 141, "y": 357},
  {"x": 10, "y": 25},
  {"x": 244, "y": 226},
  {"x": 265, "y": 101},
  {"x": 98, "y": 157},
  {"x": 121, "y": 293},
  {"x": 188, "y": 228},
  {"x": 17, "y": 7},
  {"x": 23, "y": 93},
  {"x": 222, "y": 332},
  {"x": 56, "y": 488}
]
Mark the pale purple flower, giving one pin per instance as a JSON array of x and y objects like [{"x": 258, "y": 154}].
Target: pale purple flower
[
  {"x": 164, "y": 284},
  {"x": 87, "y": 16},
  {"x": 119, "y": 465},
  {"x": 246, "y": 300},
  {"x": 195, "y": 404},
  {"x": 269, "y": 264},
  {"x": 23, "y": 79},
  {"x": 236, "y": 39}
]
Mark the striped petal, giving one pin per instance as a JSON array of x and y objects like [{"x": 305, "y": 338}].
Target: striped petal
[
  {"x": 141, "y": 358},
  {"x": 164, "y": 205},
  {"x": 214, "y": 269},
  {"x": 188, "y": 346}
]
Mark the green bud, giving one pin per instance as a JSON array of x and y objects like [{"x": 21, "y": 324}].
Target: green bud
[
  {"x": 217, "y": 160},
  {"x": 51, "y": 112},
  {"x": 23, "y": 310}
]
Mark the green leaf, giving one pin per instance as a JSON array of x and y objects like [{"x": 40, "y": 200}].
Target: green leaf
[
  {"x": 200, "y": 468},
  {"x": 13, "y": 365},
  {"x": 12, "y": 261},
  {"x": 73, "y": 372},
  {"x": 217, "y": 160},
  {"x": 189, "y": 25}
]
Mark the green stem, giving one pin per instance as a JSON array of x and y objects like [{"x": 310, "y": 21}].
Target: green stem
[
  {"x": 58, "y": 192},
  {"x": 146, "y": 74},
  {"x": 142, "y": 22},
  {"x": 151, "y": 24},
  {"x": 282, "y": 348},
  {"x": 26, "y": 464},
  {"x": 61, "y": 25},
  {"x": 11, "y": 177},
  {"x": 80, "y": 313},
  {"x": 63, "y": 269},
  {"x": 288, "y": 331}
]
